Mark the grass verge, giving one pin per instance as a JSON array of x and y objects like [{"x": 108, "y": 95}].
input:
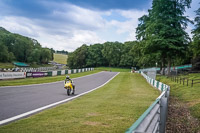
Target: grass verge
[
  {"x": 113, "y": 69},
  {"x": 185, "y": 101},
  {"x": 112, "y": 108},
  {"x": 28, "y": 81},
  {"x": 6, "y": 65}
]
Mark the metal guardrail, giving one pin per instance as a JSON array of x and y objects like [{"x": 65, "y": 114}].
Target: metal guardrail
[
  {"x": 172, "y": 68},
  {"x": 154, "y": 118}
]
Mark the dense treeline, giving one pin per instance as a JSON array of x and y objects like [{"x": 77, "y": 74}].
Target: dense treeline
[
  {"x": 161, "y": 40},
  {"x": 113, "y": 54},
  {"x": 14, "y": 47},
  {"x": 62, "y": 52}
]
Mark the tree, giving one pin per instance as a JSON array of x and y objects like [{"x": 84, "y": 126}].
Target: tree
[
  {"x": 23, "y": 49},
  {"x": 126, "y": 59},
  {"x": 112, "y": 53},
  {"x": 163, "y": 29},
  {"x": 45, "y": 55},
  {"x": 95, "y": 57},
  {"x": 4, "y": 55},
  {"x": 35, "y": 56},
  {"x": 77, "y": 59},
  {"x": 195, "y": 45}
]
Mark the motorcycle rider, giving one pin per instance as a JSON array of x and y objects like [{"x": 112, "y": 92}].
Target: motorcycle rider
[{"x": 68, "y": 79}]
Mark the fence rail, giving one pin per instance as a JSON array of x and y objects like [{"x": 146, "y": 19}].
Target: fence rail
[
  {"x": 184, "y": 80},
  {"x": 154, "y": 118}
]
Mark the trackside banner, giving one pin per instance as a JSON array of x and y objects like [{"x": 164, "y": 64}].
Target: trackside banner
[
  {"x": 12, "y": 75},
  {"x": 36, "y": 74}
]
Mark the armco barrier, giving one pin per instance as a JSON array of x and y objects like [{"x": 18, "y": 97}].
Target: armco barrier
[{"x": 154, "y": 118}]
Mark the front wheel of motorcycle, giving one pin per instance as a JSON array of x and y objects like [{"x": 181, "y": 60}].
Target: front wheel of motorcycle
[{"x": 68, "y": 91}]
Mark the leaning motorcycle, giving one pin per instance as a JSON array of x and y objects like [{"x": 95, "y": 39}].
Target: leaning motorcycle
[{"x": 69, "y": 88}]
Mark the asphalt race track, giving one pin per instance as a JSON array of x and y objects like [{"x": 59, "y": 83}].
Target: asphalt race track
[{"x": 21, "y": 99}]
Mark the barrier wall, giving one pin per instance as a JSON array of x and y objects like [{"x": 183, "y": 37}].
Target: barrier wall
[
  {"x": 14, "y": 75},
  {"x": 154, "y": 118},
  {"x": 63, "y": 72},
  {"x": 27, "y": 69}
]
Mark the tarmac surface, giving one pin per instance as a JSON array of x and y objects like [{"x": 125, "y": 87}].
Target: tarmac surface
[{"x": 17, "y": 100}]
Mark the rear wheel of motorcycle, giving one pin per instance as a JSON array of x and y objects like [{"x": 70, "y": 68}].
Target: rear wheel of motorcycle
[{"x": 68, "y": 91}]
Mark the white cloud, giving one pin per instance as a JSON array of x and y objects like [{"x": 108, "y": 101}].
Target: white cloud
[
  {"x": 68, "y": 26},
  {"x": 129, "y": 26},
  {"x": 19, "y": 25}
]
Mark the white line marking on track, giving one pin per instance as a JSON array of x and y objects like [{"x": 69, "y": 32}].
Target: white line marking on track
[{"x": 51, "y": 105}]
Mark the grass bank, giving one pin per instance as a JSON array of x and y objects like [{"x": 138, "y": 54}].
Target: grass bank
[
  {"x": 112, "y": 108},
  {"x": 60, "y": 58},
  {"x": 113, "y": 69},
  {"x": 6, "y": 65},
  {"x": 187, "y": 97},
  {"x": 28, "y": 81}
]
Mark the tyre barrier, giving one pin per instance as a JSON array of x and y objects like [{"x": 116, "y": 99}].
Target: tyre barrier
[{"x": 153, "y": 120}]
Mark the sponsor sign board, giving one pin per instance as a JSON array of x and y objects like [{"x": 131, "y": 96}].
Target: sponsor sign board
[
  {"x": 36, "y": 74},
  {"x": 12, "y": 75}
]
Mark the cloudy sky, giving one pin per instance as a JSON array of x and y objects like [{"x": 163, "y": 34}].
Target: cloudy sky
[{"x": 67, "y": 24}]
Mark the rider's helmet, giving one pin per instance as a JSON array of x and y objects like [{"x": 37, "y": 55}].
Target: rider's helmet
[{"x": 67, "y": 77}]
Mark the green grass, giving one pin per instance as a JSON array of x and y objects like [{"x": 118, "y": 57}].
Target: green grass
[
  {"x": 112, "y": 108},
  {"x": 113, "y": 69},
  {"x": 60, "y": 58},
  {"x": 6, "y": 65},
  {"x": 187, "y": 94},
  {"x": 40, "y": 65},
  {"x": 28, "y": 81},
  {"x": 10, "y": 65}
]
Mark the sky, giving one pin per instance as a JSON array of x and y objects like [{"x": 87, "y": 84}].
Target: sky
[{"x": 67, "y": 24}]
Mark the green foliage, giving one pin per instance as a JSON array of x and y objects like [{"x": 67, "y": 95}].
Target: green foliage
[
  {"x": 23, "y": 49},
  {"x": 61, "y": 52},
  {"x": 113, "y": 54},
  {"x": 126, "y": 55},
  {"x": 4, "y": 55},
  {"x": 162, "y": 32},
  {"x": 77, "y": 59},
  {"x": 95, "y": 57},
  {"x": 195, "y": 45}
]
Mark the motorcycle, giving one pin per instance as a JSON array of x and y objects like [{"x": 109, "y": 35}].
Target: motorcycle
[{"x": 69, "y": 88}]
